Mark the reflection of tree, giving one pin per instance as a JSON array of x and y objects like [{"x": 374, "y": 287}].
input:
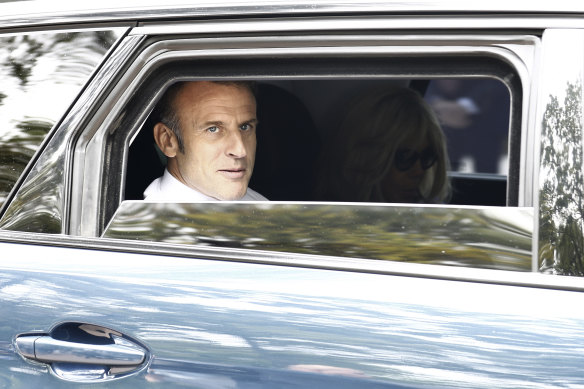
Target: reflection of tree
[
  {"x": 562, "y": 214},
  {"x": 22, "y": 66},
  {"x": 31, "y": 65},
  {"x": 421, "y": 235},
  {"x": 16, "y": 152}
]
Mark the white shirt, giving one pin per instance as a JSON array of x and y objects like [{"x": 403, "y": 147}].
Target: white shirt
[{"x": 168, "y": 188}]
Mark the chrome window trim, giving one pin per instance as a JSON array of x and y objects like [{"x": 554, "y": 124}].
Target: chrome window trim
[
  {"x": 560, "y": 13},
  {"x": 401, "y": 22},
  {"x": 91, "y": 96},
  {"x": 518, "y": 50},
  {"x": 360, "y": 265},
  {"x": 120, "y": 59},
  {"x": 77, "y": 26}
]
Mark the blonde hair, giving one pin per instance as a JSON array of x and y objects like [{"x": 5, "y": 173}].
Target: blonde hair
[{"x": 362, "y": 151}]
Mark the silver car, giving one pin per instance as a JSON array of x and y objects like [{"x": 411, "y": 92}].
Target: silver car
[{"x": 99, "y": 287}]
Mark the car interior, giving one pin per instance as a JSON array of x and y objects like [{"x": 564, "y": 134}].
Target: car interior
[{"x": 297, "y": 116}]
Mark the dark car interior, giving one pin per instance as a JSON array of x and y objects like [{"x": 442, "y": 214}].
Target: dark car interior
[{"x": 297, "y": 116}]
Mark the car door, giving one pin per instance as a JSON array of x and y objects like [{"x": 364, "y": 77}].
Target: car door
[{"x": 96, "y": 287}]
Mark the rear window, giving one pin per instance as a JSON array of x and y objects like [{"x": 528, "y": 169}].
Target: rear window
[{"x": 40, "y": 76}]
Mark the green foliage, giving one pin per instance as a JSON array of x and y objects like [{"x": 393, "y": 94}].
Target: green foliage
[{"x": 21, "y": 67}]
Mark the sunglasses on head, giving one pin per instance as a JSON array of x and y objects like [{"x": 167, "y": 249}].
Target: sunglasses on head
[{"x": 405, "y": 159}]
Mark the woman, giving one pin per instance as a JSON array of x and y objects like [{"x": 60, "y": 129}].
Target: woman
[{"x": 389, "y": 148}]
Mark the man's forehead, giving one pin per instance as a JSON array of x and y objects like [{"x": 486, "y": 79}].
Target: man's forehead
[
  {"x": 221, "y": 106},
  {"x": 206, "y": 99}
]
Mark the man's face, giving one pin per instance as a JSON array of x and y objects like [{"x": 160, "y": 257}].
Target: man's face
[{"x": 218, "y": 124}]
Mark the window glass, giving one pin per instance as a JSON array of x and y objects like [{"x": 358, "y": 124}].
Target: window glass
[
  {"x": 40, "y": 75},
  {"x": 493, "y": 238},
  {"x": 300, "y": 122},
  {"x": 474, "y": 114}
]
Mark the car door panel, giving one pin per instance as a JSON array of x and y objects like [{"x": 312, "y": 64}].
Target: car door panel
[{"x": 244, "y": 323}]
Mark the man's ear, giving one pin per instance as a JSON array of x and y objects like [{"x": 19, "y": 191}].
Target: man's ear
[{"x": 166, "y": 140}]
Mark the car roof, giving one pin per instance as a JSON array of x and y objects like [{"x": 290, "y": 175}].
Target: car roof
[{"x": 31, "y": 13}]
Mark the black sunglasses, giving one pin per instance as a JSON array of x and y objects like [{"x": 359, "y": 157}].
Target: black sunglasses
[{"x": 405, "y": 158}]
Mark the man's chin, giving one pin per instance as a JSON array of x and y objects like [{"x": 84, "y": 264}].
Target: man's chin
[{"x": 231, "y": 196}]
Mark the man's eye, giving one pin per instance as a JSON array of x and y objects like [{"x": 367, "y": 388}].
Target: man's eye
[
  {"x": 246, "y": 127},
  {"x": 212, "y": 129}
]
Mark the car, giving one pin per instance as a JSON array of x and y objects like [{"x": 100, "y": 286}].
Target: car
[{"x": 481, "y": 289}]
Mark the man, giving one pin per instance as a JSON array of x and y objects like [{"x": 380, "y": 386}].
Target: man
[{"x": 207, "y": 130}]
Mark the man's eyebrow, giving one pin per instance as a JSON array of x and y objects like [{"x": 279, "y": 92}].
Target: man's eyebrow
[
  {"x": 217, "y": 123},
  {"x": 220, "y": 123}
]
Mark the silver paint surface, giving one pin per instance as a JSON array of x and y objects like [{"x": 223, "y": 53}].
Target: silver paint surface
[{"x": 209, "y": 321}]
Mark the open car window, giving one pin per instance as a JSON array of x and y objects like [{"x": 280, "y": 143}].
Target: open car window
[
  {"x": 301, "y": 104},
  {"x": 299, "y": 120},
  {"x": 311, "y": 133}
]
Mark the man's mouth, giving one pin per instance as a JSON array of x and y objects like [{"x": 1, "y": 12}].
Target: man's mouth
[{"x": 233, "y": 173}]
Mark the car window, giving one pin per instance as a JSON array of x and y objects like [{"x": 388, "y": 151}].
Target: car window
[
  {"x": 40, "y": 75},
  {"x": 297, "y": 118},
  {"x": 302, "y": 102},
  {"x": 304, "y": 152},
  {"x": 298, "y": 121}
]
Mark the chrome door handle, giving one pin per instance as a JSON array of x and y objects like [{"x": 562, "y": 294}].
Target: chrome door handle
[
  {"x": 83, "y": 352},
  {"x": 48, "y": 350}
]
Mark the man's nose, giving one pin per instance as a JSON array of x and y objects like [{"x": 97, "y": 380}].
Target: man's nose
[{"x": 235, "y": 145}]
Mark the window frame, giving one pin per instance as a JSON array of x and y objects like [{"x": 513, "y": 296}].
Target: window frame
[{"x": 90, "y": 214}]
